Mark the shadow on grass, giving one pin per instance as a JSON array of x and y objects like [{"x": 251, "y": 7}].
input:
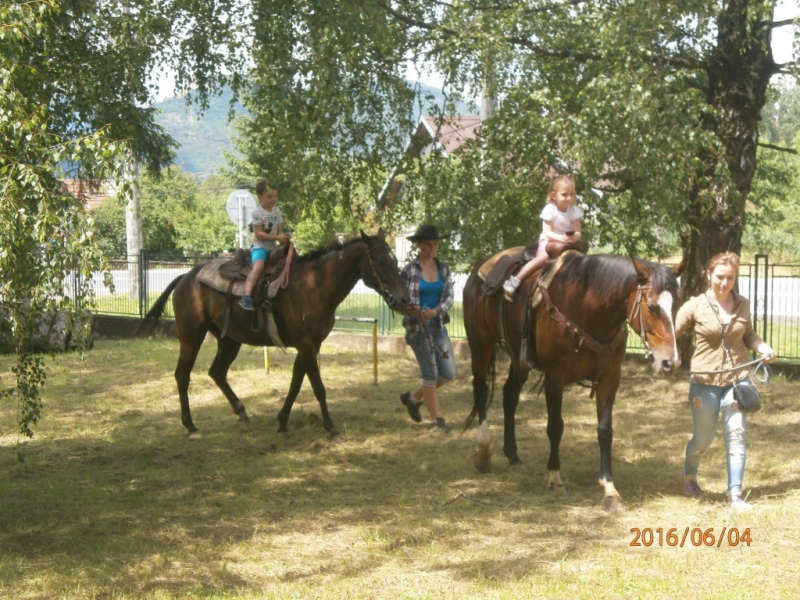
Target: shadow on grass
[{"x": 119, "y": 498}]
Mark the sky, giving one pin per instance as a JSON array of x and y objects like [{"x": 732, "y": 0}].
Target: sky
[{"x": 782, "y": 39}]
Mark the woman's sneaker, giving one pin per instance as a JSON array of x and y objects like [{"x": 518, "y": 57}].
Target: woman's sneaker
[
  {"x": 736, "y": 503},
  {"x": 510, "y": 286},
  {"x": 690, "y": 486},
  {"x": 439, "y": 425},
  {"x": 413, "y": 407}
]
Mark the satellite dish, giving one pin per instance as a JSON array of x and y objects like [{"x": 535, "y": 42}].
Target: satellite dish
[{"x": 240, "y": 206}]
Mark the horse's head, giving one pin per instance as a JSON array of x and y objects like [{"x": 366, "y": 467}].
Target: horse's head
[
  {"x": 379, "y": 270},
  {"x": 652, "y": 308}
]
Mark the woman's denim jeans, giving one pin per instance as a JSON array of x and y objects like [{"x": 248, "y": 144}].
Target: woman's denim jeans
[
  {"x": 432, "y": 362},
  {"x": 706, "y": 402}
]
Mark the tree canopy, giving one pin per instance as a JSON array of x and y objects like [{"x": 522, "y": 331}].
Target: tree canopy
[
  {"x": 656, "y": 105},
  {"x": 45, "y": 235}
]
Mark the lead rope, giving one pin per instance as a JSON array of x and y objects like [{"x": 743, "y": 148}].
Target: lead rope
[{"x": 759, "y": 362}]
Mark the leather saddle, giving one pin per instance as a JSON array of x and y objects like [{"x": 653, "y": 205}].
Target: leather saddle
[
  {"x": 509, "y": 262},
  {"x": 238, "y": 267},
  {"x": 266, "y": 288}
]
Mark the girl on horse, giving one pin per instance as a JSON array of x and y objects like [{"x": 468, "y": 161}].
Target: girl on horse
[{"x": 561, "y": 222}]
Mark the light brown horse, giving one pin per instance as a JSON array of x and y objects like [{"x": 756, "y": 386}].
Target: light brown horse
[
  {"x": 578, "y": 332},
  {"x": 304, "y": 314}
]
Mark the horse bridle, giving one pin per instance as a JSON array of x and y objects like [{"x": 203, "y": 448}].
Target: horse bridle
[
  {"x": 636, "y": 310},
  {"x": 382, "y": 288}
]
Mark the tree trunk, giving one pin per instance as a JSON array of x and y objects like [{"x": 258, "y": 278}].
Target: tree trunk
[{"x": 739, "y": 71}]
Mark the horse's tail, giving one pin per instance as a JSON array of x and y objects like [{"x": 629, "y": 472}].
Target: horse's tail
[
  {"x": 492, "y": 373},
  {"x": 148, "y": 324}
]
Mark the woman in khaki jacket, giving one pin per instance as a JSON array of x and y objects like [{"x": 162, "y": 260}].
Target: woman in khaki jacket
[{"x": 719, "y": 311}]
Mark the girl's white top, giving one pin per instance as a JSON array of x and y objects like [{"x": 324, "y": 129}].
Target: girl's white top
[{"x": 560, "y": 222}]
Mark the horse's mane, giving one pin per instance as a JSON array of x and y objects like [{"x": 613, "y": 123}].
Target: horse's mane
[
  {"x": 606, "y": 273},
  {"x": 334, "y": 246}
]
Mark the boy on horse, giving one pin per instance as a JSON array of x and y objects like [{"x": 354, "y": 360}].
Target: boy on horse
[{"x": 268, "y": 234}]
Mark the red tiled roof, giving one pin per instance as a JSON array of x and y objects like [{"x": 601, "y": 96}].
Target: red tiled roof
[
  {"x": 447, "y": 134},
  {"x": 91, "y": 198}
]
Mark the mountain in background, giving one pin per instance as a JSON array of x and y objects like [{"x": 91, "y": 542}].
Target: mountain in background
[{"x": 203, "y": 138}]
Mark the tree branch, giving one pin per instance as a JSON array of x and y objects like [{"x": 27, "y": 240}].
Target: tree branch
[
  {"x": 778, "y": 148},
  {"x": 675, "y": 61},
  {"x": 784, "y": 23},
  {"x": 506, "y": 7}
]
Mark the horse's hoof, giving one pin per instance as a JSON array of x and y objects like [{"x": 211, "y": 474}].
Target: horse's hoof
[
  {"x": 613, "y": 504},
  {"x": 517, "y": 468},
  {"x": 194, "y": 435},
  {"x": 244, "y": 425},
  {"x": 337, "y": 437},
  {"x": 558, "y": 490},
  {"x": 483, "y": 458},
  {"x": 483, "y": 465}
]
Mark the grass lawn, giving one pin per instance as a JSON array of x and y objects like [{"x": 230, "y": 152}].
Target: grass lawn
[{"x": 112, "y": 500}]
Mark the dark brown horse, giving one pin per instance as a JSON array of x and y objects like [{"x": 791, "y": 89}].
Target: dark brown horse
[
  {"x": 577, "y": 333},
  {"x": 304, "y": 314}
]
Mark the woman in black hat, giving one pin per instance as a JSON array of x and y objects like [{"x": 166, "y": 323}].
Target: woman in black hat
[{"x": 430, "y": 287}]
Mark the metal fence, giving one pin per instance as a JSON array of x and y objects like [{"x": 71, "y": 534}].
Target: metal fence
[{"x": 773, "y": 290}]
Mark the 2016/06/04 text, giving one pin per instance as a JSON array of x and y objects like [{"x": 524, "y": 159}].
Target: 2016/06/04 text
[{"x": 694, "y": 536}]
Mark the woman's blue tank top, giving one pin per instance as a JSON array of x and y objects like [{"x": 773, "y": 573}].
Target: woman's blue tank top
[{"x": 430, "y": 292}]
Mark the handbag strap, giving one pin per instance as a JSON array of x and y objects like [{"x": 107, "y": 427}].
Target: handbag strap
[{"x": 723, "y": 325}]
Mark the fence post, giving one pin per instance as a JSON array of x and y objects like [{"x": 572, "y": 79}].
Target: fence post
[
  {"x": 765, "y": 300},
  {"x": 142, "y": 283},
  {"x": 382, "y": 317}
]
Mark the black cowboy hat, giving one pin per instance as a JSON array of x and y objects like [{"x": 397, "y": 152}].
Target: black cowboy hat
[{"x": 426, "y": 232}]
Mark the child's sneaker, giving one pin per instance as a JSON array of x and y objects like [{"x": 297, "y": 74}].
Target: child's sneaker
[
  {"x": 246, "y": 302},
  {"x": 510, "y": 286}
]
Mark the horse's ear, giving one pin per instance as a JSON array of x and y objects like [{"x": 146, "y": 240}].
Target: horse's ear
[
  {"x": 678, "y": 270},
  {"x": 642, "y": 272},
  {"x": 365, "y": 237},
  {"x": 381, "y": 234}
]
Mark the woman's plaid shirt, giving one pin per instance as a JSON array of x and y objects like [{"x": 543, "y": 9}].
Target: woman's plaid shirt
[{"x": 412, "y": 273}]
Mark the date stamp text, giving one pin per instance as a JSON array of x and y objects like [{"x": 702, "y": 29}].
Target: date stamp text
[{"x": 693, "y": 536}]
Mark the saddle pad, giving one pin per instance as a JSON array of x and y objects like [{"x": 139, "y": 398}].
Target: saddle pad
[
  {"x": 547, "y": 277},
  {"x": 209, "y": 275}
]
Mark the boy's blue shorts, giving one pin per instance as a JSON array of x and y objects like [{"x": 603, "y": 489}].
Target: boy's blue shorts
[{"x": 257, "y": 253}]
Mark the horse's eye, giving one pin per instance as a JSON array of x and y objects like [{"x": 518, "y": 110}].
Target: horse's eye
[{"x": 653, "y": 308}]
